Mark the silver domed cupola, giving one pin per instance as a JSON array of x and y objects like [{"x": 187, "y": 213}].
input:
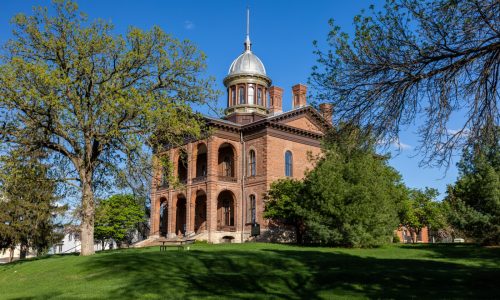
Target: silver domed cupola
[
  {"x": 247, "y": 63},
  {"x": 247, "y": 82}
]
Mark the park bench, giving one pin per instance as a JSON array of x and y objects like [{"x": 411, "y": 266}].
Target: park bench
[{"x": 180, "y": 244}]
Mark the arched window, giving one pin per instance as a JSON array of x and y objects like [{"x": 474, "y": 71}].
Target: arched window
[
  {"x": 251, "y": 210},
  {"x": 182, "y": 166},
  {"x": 163, "y": 217},
  {"x": 242, "y": 95},
  {"x": 251, "y": 95},
  {"x": 252, "y": 170},
  {"x": 226, "y": 161},
  {"x": 259, "y": 96},
  {"x": 288, "y": 164}
]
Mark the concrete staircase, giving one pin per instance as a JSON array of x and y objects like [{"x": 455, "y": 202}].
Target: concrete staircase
[{"x": 203, "y": 236}]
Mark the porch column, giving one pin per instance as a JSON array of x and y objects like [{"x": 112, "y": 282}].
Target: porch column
[
  {"x": 171, "y": 215},
  {"x": 189, "y": 228}
]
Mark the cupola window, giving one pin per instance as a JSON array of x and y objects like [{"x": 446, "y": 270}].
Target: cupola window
[
  {"x": 233, "y": 95},
  {"x": 242, "y": 95},
  {"x": 251, "y": 95},
  {"x": 259, "y": 96}
]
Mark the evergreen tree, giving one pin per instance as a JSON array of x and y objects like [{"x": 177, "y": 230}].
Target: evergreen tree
[
  {"x": 28, "y": 204},
  {"x": 352, "y": 193},
  {"x": 474, "y": 200},
  {"x": 349, "y": 199}
]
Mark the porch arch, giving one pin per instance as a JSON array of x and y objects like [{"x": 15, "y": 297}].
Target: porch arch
[
  {"x": 180, "y": 215},
  {"x": 163, "y": 225},
  {"x": 200, "y": 211},
  {"x": 226, "y": 211}
]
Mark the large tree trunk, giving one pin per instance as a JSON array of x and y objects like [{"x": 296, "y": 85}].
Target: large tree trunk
[
  {"x": 23, "y": 250},
  {"x": 11, "y": 253},
  {"x": 299, "y": 232},
  {"x": 87, "y": 225}
]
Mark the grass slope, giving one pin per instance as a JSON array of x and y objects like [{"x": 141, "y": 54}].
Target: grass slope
[{"x": 259, "y": 271}]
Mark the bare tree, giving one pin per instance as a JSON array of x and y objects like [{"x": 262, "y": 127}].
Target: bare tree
[{"x": 431, "y": 61}]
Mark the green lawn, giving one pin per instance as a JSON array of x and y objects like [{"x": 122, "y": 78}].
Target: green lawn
[{"x": 260, "y": 271}]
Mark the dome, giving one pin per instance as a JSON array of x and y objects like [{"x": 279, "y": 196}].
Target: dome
[{"x": 247, "y": 63}]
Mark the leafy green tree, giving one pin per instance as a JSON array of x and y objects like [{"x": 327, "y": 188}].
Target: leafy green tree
[
  {"x": 117, "y": 217},
  {"x": 284, "y": 203},
  {"x": 431, "y": 60},
  {"x": 94, "y": 99},
  {"x": 421, "y": 210},
  {"x": 27, "y": 204},
  {"x": 474, "y": 200}
]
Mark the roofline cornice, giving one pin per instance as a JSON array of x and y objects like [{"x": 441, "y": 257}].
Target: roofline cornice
[{"x": 273, "y": 122}]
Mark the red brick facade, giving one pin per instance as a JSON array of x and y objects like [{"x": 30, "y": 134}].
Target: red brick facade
[
  {"x": 406, "y": 235},
  {"x": 229, "y": 173}
]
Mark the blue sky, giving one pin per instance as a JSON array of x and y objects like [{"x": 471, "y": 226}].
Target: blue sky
[{"x": 281, "y": 31}]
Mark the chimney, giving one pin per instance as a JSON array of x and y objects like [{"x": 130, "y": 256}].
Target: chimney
[
  {"x": 275, "y": 100},
  {"x": 326, "y": 110},
  {"x": 299, "y": 95}
]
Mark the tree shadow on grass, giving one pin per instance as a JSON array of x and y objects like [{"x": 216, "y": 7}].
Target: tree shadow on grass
[
  {"x": 18, "y": 262},
  {"x": 287, "y": 274},
  {"x": 457, "y": 251}
]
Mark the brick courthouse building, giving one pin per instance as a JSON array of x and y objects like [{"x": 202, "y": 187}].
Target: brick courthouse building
[{"x": 226, "y": 175}]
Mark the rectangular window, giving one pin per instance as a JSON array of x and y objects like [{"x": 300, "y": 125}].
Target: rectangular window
[
  {"x": 252, "y": 170},
  {"x": 259, "y": 96},
  {"x": 288, "y": 164}
]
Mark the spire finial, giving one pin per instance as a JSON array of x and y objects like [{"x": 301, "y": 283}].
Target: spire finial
[{"x": 248, "y": 44}]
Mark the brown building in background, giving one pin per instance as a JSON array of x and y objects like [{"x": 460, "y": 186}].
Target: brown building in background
[{"x": 226, "y": 175}]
